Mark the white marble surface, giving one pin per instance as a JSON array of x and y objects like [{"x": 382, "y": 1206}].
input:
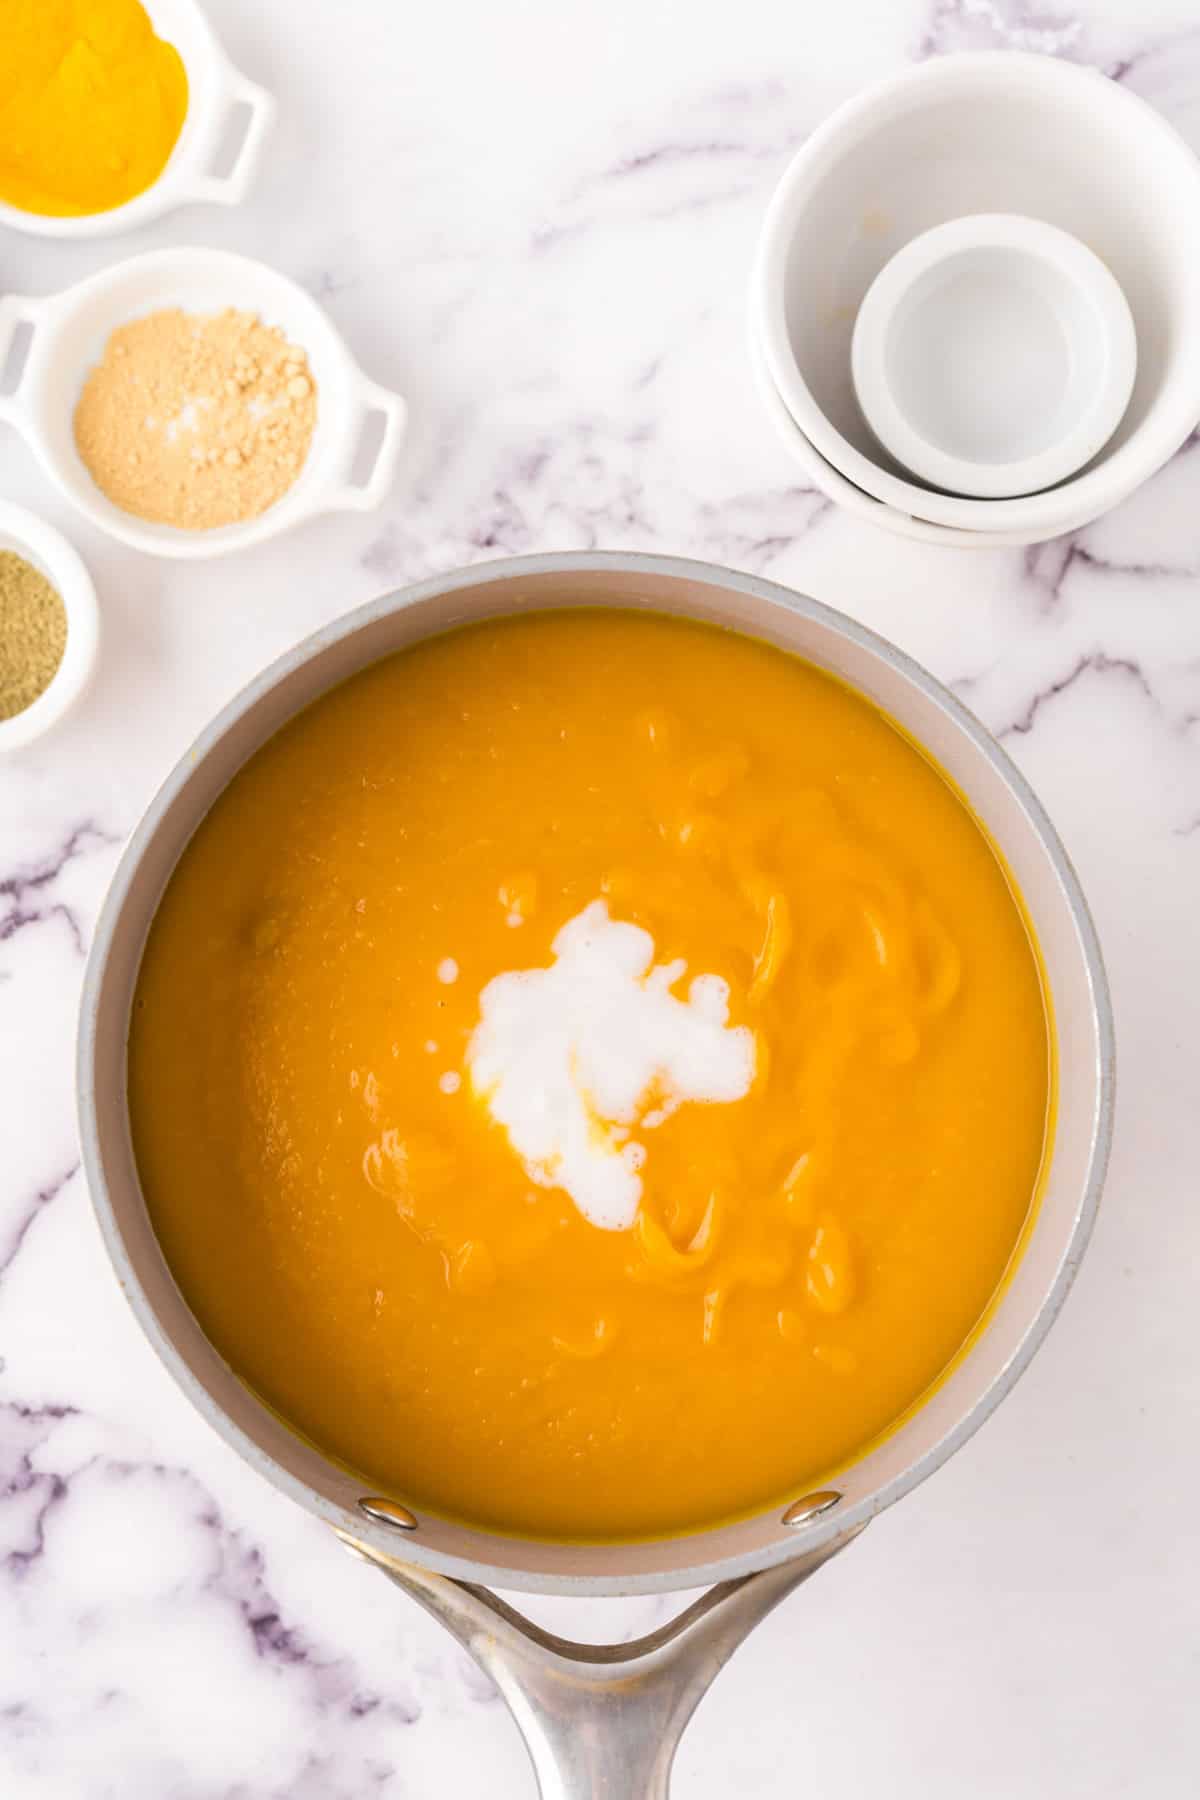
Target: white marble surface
[{"x": 537, "y": 220}]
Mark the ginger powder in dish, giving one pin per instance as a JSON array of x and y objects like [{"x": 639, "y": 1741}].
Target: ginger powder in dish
[
  {"x": 197, "y": 420},
  {"x": 590, "y": 1073}
]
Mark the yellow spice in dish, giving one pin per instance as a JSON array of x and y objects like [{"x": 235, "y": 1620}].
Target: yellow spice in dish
[
  {"x": 91, "y": 104},
  {"x": 346, "y": 1161}
]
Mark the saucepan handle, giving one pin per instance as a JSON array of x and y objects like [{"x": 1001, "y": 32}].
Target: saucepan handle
[{"x": 602, "y": 1722}]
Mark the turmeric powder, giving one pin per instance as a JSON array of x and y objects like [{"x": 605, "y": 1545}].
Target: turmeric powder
[{"x": 91, "y": 104}]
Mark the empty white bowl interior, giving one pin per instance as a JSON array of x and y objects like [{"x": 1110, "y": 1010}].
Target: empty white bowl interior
[
  {"x": 999, "y": 133},
  {"x": 993, "y": 356},
  {"x": 69, "y": 340}
]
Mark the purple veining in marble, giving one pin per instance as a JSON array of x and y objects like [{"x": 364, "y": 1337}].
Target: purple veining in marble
[{"x": 22, "y": 893}]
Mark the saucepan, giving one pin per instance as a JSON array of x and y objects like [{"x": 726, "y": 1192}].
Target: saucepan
[{"x": 606, "y": 1720}]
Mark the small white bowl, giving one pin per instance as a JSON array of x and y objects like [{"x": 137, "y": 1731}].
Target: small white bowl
[
  {"x": 994, "y": 355},
  {"x": 215, "y": 88},
  {"x": 834, "y": 485},
  {"x": 63, "y": 567},
  {"x": 994, "y": 131},
  {"x": 70, "y": 330}
]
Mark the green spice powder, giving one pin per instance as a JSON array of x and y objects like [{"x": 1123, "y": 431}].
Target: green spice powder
[{"x": 33, "y": 633}]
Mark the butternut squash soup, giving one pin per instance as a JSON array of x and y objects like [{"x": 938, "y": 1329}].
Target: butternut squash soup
[{"x": 589, "y": 1074}]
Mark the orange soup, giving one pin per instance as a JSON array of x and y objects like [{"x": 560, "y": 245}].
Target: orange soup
[{"x": 589, "y": 1074}]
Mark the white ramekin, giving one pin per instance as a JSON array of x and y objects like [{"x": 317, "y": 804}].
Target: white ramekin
[
  {"x": 215, "y": 90},
  {"x": 69, "y": 332},
  {"x": 63, "y": 567},
  {"x": 994, "y": 355}
]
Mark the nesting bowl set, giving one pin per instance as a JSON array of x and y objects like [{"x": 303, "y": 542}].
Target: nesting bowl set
[{"x": 968, "y": 324}]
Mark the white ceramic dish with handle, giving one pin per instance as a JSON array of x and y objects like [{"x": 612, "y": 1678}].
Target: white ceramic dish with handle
[
  {"x": 986, "y": 132},
  {"x": 63, "y": 567},
  {"x": 70, "y": 329},
  {"x": 215, "y": 91}
]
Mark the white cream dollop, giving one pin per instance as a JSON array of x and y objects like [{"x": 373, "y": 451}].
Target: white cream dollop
[{"x": 570, "y": 1059}]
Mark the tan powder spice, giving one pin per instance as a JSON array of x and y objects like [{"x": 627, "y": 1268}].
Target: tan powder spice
[
  {"x": 197, "y": 420},
  {"x": 33, "y": 633}
]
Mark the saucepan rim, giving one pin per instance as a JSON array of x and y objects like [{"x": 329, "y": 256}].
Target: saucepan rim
[{"x": 614, "y": 1576}]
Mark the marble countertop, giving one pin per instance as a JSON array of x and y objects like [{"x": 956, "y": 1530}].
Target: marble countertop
[{"x": 537, "y": 221}]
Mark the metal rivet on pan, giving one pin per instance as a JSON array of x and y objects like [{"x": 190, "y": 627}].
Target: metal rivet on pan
[
  {"x": 811, "y": 1506},
  {"x": 388, "y": 1512}
]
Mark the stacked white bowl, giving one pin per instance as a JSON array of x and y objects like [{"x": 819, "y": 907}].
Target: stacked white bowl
[{"x": 997, "y": 142}]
